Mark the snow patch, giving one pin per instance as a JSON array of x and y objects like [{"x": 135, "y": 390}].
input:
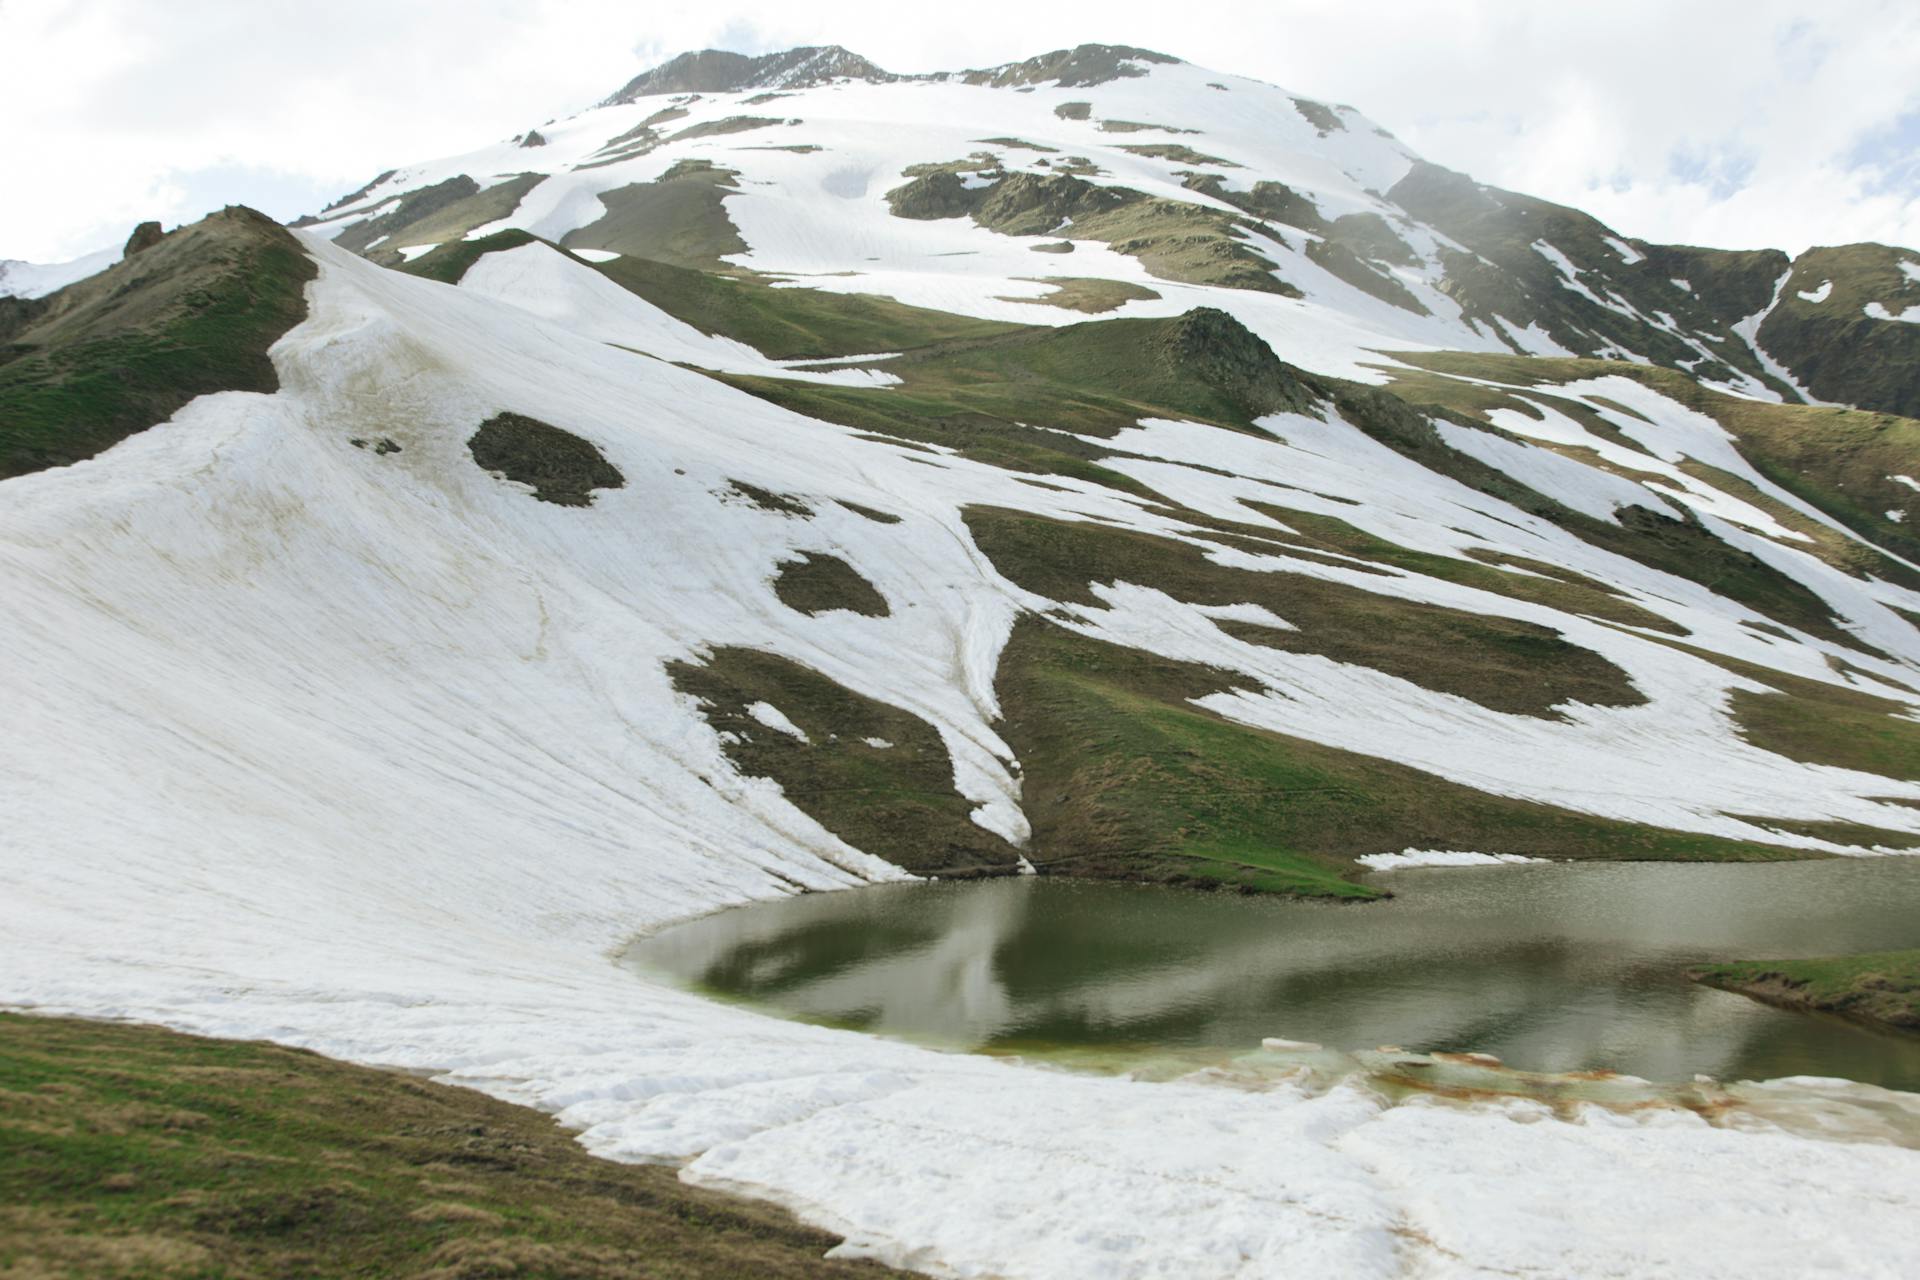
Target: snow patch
[
  {"x": 1818, "y": 295},
  {"x": 1628, "y": 254},
  {"x": 1440, "y": 858},
  {"x": 1909, "y": 315},
  {"x": 772, "y": 717}
]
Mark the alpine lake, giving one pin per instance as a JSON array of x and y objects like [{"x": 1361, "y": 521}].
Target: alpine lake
[{"x": 1549, "y": 967}]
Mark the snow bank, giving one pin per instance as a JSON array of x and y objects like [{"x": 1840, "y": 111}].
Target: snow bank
[{"x": 1440, "y": 858}]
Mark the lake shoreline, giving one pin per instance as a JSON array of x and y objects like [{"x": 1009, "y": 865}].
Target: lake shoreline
[{"x": 1880, "y": 990}]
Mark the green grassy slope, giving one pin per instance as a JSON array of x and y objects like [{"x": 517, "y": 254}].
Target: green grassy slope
[
  {"x": 1881, "y": 988},
  {"x": 126, "y": 349},
  {"x": 1124, "y": 778}
]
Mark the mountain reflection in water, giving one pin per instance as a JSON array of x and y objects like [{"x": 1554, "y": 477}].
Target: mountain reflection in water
[{"x": 1552, "y": 967}]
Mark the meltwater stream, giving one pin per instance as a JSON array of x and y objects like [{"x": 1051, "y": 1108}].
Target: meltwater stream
[{"x": 1551, "y": 967}]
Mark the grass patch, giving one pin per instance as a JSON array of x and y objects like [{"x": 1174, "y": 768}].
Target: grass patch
[
  {"x": 133, "y": 1153},
  {"x": 1543, "y": 584},
  {"x": 1680, "y": 546},
  {"x": 439, "y": 214},
  {"x": 1833, "y": 347},
  {"x": 1514, "y": 667},
  {"x": 681, "y": 219},
  {"x": 1124, "y": 778},
  {"x": 126, "y": 349},
  {"x": 767, "y": 500},
  {"x": 1084, "y": 293},
  {"x": 1018, "y": 144},
  {"x": 1177, "y": 152},
  {"x": 1838, "y": 460},
  {"x": 869, "y": 513},
  {"x": 448, "y": 263},
  {"x": 994, "y": 400},
  {"x": 562, "y": 468},
  {"x": 1820, "y": 723},
  {"x": 1881, "y": 988},
  {"x": 790, "y": 323},
  {"x": 894, "y": 800},
  {"x": 1173, "y": 239},
  {"x": 819, "y": 583}
]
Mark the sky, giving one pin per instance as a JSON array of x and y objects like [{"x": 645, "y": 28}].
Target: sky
[{"x": 1762, "y": 123}]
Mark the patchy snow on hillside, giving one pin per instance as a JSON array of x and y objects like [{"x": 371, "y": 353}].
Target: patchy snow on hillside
[
  {"x": 1906, "y": 315},
  {"x": 377, "y": 754}
]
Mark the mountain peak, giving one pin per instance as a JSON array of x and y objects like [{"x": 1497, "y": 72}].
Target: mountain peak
[
  {"x": 722, "y": 71},
  {"x": 1079, "y": 67}
]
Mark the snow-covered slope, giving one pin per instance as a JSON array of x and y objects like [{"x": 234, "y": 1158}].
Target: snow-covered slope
[
  {"x": 38, "y": 279},
  {"x": 1376, "y": 249},
  {"x": 327, "y": 729},
  {"x": 375, "y": 753}
]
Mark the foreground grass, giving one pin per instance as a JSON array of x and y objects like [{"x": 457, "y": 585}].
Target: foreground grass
[
  {"x": 1882, "y": 988},
  {"x": 130, "y": 1151}
]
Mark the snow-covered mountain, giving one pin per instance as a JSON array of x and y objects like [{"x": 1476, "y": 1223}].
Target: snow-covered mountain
[
  {"x": 1159, "y": 175},
  {"x": 788, "y": 475},
  {"x": 38, "y": 279}
]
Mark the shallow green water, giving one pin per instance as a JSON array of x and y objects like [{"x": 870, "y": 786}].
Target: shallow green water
[{"x": 1552, "y": 967}]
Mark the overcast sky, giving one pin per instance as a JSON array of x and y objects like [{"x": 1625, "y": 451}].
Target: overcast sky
[{"x": 1757, "y": 123}]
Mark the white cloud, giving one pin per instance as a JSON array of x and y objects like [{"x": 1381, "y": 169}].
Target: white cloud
[{"x": 1742, "y": 124}]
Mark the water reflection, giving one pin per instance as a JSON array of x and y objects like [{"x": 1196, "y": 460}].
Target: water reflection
[{"x": 1552, "y": 967}]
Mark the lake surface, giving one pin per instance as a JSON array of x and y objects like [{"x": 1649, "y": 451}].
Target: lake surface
[{"x": 1552, "y": 967}]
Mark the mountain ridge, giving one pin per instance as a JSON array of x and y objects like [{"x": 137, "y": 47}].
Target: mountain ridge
[{"x": 1497, "y": 268}]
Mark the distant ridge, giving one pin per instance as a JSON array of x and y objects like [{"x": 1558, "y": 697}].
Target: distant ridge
[{"x": 719, "y": 71}]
